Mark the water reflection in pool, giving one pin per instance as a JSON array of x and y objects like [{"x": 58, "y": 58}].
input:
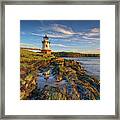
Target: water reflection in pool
[{"x": 47, "y": 78}]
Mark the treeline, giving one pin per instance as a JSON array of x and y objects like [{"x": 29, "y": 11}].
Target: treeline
[{"x": 72, "y": 54}]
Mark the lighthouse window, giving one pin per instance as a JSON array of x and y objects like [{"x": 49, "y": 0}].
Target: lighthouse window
[{"x": 46, "y": 46}]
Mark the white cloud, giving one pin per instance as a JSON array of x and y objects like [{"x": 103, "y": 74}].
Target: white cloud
[
  {"x": 95, "y": 30},
  {"x": 56, "y": 35},
  {"x": 63, "y": 29},
  {"x": 22, "y": 33},
  {"x": 26, "y": 45},
  {"x": 92, "y": 34},
  {"x": 59, "y": 31},
  {"x": 59, "y": 45},
  {"x": 36, "y": 34},
  {"x": 59, "y": 28},
  {"x": 90, "y": 38}
]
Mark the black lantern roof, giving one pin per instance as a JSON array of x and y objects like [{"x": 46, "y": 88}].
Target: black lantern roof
[{"x": 45, "y": 37}]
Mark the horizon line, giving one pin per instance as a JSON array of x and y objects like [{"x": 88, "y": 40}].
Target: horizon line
[{"x": 83, "y": 52}]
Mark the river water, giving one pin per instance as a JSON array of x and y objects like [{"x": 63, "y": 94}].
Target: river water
[{"x": 91, "y": 64}]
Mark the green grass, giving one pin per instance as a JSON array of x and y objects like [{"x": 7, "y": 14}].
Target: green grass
[{"x": 29, "y": 64}]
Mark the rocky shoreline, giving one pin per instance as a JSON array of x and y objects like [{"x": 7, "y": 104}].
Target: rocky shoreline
[
  {"x": 79, "y": 85},
  {"x": 71, "y": 81}
]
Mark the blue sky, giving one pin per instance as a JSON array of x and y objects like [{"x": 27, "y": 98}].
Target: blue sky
[{"x": 64, "y": 35}]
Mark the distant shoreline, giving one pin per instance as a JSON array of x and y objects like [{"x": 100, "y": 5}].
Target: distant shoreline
[
  {"x": 68, "y": 54},
  {"x": 74, "y": 55}
]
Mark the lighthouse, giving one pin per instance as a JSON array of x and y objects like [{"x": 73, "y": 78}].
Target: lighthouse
[{"x": 46, "y": 45}]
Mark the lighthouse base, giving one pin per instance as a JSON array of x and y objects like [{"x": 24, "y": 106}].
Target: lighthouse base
[{"x": 46, "y": 51}]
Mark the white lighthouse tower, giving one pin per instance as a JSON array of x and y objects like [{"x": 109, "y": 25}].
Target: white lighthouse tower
[{"x": 46, "y": 45}]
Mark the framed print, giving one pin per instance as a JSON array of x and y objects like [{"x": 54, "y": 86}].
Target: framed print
[{"x": 60, "y": 59}]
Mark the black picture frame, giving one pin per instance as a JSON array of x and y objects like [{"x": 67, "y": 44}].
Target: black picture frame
[{"x": 65, "y": 2}]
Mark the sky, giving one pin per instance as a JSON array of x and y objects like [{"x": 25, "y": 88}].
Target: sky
[{"x": 64, "y": 35}]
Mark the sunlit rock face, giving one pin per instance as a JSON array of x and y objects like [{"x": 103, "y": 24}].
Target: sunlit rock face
[{"x": 68, "y": 82}]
